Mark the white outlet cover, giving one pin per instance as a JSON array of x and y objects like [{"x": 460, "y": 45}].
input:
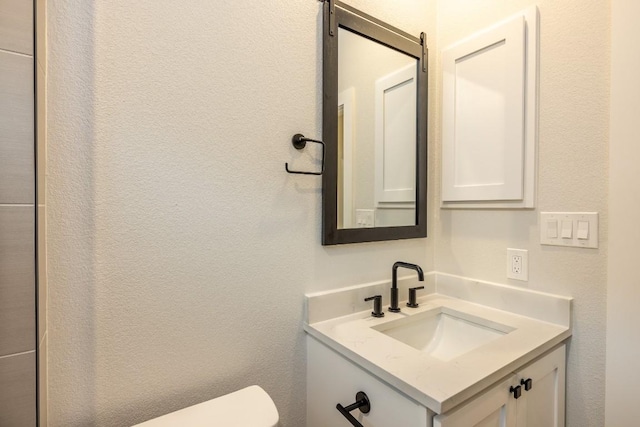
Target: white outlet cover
[{"x": 523, "y": 274}]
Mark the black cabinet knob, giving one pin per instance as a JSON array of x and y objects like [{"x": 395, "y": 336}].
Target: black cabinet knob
[
  {"x": 517, "y": 391},
  {"x": 528, "y": 383}
]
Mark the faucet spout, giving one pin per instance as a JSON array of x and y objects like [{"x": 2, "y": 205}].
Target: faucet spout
[{"x": 393, "y": 307}]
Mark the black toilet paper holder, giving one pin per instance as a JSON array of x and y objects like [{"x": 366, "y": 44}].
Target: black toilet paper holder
[{"x": 299, "y": 141}]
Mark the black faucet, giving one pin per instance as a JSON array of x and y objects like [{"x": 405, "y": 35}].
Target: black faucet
[{"x": 394, "y": 282}]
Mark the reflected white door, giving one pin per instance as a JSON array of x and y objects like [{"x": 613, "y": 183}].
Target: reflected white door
[{"x": 395, "y": 138}]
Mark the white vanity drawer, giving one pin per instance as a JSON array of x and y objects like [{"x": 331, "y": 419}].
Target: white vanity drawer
[{"x": 332, "y": 379}]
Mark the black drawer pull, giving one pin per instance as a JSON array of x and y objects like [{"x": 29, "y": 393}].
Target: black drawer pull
[
  {"x": 362, "y": 403},
  {"x": 528, "y": 384},
  {"x": 517, "y": 391}
]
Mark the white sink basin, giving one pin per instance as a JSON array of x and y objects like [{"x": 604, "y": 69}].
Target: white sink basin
[{"x": 443, "y": 333}]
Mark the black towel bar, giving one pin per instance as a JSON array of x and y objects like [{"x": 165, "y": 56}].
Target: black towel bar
[{"x": 362, "y": 403}]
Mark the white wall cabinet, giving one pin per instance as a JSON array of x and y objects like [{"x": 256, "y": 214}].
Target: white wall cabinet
[
  {"x": 483, "y": 111},
  {"x": 332, "y": 379},
  {"x": 489, "y": 116}
]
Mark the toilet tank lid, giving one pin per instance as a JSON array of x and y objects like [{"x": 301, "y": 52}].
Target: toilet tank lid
[{"x": 249, "y": 407}]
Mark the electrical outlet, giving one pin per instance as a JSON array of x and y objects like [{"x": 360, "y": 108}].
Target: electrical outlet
[{"x": 518, "y": 264}]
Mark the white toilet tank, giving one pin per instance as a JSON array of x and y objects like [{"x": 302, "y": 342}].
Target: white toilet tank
[{"x": 249, "y": 407}]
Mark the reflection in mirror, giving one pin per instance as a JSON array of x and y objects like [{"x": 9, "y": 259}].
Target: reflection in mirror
[{"x": 377, "y": 137}]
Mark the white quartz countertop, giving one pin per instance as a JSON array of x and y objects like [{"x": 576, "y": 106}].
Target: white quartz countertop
[{"x": 437, "y": 384}]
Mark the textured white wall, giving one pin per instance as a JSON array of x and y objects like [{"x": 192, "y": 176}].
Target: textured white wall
[
  {"x": 573, "y": 153},
  {"x": 623, "y": 293},
  {"x": 179, "y": 248}
]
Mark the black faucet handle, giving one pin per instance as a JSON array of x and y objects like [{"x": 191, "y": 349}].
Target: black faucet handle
[
  {"x": 413, "y": 300},
  {"x": 377, "y": 305}
]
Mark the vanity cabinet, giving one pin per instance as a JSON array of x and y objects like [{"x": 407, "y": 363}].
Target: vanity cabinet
[
  {"x": 493, "y": 407},
  {"x": 542, "y": 405},
  {"x": 333, "y": 379}
]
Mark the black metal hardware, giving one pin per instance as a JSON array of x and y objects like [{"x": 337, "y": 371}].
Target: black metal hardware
[
  {"x": 332, "y": 18},
  {"x": 528, "y": 384},
  {"x": 344, "y": 7},
  {"x": 362, "y": 403},
  {"x": 377, "y": 305},
  {"x": 413, "y": 303},
  {"x": 423, "y": 42},
  {"x": 517, "y": 391},
  {"x": 393, "y": 306},
  {"x": 299, "y": 141}
]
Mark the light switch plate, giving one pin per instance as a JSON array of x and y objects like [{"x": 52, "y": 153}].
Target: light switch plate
[
  {"x": 576, "y": 220},
  {"x": 365, "y": 218}
]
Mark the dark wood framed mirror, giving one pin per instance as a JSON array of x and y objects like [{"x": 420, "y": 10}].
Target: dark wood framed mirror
[{"x": 375, "y": 129}]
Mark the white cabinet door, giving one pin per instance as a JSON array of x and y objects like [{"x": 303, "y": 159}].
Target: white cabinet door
[
  {"x": 489, "y": 116},
  {"x": 540, "y": 406},
  {"x": 395, "y": 137},
  {"x": 493, "y": 408},
  {"x": 332, "y": 379},
  {"x": 483, "y": 113},
  {"x": 543, "y": 404}
]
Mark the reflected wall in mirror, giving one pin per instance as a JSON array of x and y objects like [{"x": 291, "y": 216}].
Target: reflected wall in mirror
[
  {"x": 374, "y": 127},
  {"x": 376, "y": 134}
]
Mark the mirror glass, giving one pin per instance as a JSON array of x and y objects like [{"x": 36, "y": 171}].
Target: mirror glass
[
  {"x": 377, "y": 134},
  {"x": 374, "y": 127}
]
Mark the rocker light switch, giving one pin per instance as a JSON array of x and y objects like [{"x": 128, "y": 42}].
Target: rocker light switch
[
  {"x": 569, "y": 229},
  {"x": 583, "y": 230}
]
